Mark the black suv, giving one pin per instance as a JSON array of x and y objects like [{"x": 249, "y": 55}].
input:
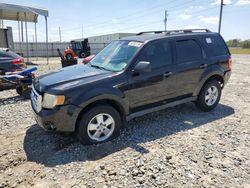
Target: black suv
[{"x": 132, "y": 77}]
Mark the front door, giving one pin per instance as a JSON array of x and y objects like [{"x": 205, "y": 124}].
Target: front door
[{"x": 158, "y": 85}]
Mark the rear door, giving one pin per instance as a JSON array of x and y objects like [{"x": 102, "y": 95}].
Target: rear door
[
  {"x": 190, "y": 63},
  {"x": 158, "y": 85}
]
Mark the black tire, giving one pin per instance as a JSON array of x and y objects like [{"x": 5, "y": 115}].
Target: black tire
[
  {"x": 19, "y": 90},
  {"x": 201, "y": 102},
  {"x": 69, "y": 56},
  {"x": 83, "y": 55},
  {"x": 26, "y": 93},
  {"x": 87, "y": 117}
]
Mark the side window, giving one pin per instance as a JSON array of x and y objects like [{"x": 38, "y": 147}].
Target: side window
[
  {"x": 214, "y": 46},
  {"x": 158, "y": 53},
  {"x": 188, "y": 51}
]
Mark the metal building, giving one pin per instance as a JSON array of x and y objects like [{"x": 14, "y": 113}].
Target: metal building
[
  {"x": 97, "y": 43},
  {"x": 6, "y": 38}
]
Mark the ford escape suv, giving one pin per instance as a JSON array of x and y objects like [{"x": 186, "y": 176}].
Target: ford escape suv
[{"x": 131, "y": 77}]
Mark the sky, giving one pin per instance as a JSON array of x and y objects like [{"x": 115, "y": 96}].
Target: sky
[{"x": 78, "y": 18}]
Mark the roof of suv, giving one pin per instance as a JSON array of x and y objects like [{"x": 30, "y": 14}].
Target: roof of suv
[{"x": 148, "y": 37}]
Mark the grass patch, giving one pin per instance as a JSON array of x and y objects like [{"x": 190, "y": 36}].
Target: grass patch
[{"x": 239, "y": 50}]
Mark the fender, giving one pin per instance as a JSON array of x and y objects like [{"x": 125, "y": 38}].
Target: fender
[
  {"x": 102, "y": 93},
  {"x": 210, "y": 71}
]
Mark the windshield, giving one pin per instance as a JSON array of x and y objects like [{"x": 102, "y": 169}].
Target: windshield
[{"x": 116, "y": 55}]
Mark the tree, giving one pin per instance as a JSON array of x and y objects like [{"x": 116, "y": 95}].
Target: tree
[
  {"x": 234, "y": 43},
  {"x": 245, "y": 44}
]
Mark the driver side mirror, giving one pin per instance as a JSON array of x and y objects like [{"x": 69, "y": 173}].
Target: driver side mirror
[{"x": 142, "y": 67}]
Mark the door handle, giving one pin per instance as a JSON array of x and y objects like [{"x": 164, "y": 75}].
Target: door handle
[
  {"x": 202, "y": 66},
  {"x": 167, "y": 74}
]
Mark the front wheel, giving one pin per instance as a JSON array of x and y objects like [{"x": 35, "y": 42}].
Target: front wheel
[
  {"x": 209, "y": 96},
  {"x": 69, "y": 56},
  {"x": 99, "y": 124}
]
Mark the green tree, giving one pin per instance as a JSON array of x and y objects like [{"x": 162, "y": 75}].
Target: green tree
[
  {"x": 234, "y": 43},
  {"x": 245, "y": 44}
]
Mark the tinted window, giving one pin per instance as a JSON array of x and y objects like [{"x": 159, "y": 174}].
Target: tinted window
[
  {"x": 187, "y": 51},
  {"x": 215, "y": 46},
  {"x": 158, "y": 53}
]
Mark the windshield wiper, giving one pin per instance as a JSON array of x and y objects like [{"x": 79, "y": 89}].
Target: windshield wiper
[{"x": 99, "y": 67}]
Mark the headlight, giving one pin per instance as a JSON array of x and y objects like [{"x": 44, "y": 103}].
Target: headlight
[{"x": 50, "y": 101}]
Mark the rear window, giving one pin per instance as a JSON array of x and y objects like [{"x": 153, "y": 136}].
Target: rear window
[
  {"x": 214, "y": 46},
  {"x": 188, "y": 51}
]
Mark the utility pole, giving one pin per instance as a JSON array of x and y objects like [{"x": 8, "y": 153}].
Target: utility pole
[
  {"x": 166, "y": 19},
  {"x": 60, "y": 34},
  {"x": 82, "y": 31},
  {"x": 221, "y": 9}
]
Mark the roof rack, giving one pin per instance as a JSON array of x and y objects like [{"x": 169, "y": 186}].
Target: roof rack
[
  {"x": 187, "y": 31},
  {"x": 175, "y": 31},
  {"x": 148, "y": 32}
]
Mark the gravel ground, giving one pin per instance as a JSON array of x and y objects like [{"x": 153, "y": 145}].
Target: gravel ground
[{"x": 176, "y": 147}]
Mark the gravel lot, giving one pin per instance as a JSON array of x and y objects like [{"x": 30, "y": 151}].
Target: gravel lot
[{"x": 176, "y": 147}]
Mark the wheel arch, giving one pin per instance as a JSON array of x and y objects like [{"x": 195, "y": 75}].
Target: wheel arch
[
  {"x": 213, "y": 76},
  {"x": 104, "y": 101}
]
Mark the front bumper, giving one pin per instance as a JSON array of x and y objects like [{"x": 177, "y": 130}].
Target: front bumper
[{"x": 62, "y": 119}]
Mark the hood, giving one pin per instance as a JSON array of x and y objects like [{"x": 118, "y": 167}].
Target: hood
[{"x": 69, "y": 77}]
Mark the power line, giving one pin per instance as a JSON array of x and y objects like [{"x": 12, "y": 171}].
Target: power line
[{"x": 132, "y": 16}]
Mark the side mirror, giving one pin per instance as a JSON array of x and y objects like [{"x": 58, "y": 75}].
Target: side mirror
[{"x": 142, "y": 67}]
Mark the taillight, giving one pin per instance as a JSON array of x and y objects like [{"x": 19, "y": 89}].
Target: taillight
[
  {"x": 229, "y": 63},
  {"x": 17, "y": 61}
]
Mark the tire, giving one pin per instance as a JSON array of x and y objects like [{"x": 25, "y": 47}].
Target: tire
[
  {"x": 19, "y": 90},
  {"x": 68, "y": 56},
  {"x": 209, "y": 96},
  {"x": 26, "y": 94},
  {"x": 95, "y": 122},
  {"x": 83, "y": 55}
]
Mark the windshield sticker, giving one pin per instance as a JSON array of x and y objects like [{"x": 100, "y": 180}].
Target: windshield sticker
[
  {"x": 135, "y": 44},
  {"x": 209, "y": 40}
]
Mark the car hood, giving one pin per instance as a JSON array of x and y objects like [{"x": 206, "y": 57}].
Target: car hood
[{"x": 69, "y": 77}]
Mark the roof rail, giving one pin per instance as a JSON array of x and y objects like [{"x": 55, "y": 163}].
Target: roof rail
[
  {"x": 148, "y": 32},
  {"x": 187, "y": 31},
  {"x": 175, "y": 31}
]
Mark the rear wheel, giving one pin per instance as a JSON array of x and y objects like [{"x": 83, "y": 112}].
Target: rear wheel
[
  {"x": 209, "y": 96},
  {"x": 83, "y": 55},
  {"x": 99, "y": 124}
]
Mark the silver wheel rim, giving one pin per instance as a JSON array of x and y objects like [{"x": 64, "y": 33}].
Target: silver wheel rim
[
  {"x": 101, "y": 127},
  {"x": 211, "y": 95}
]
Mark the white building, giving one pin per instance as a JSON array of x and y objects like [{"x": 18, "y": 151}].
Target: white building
[{"x": 97, "y": 43}]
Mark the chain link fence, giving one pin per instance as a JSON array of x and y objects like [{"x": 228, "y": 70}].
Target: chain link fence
[{"x": 39, "y": 49}]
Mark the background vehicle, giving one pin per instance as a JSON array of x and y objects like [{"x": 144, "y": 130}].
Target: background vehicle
[
  {"x": 132, "y": 77},
  {"x": 21, "y": 81},
  {"x": 10, "y": 61},
  {"x": 79, "y": 49}
]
